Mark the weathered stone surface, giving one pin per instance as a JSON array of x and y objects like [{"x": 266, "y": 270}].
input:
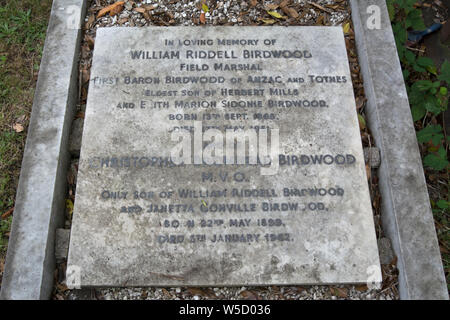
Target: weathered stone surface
[
  {"x": 385, "y": 249},
  {"x": 62, "y": 244},
  {"x": 39, "y": 208},
  {"x": 406, "y": 212},
  {"x": 215, "y": 234},
  {"x": 372, "y": 157},
  {"x": 75, "y": 137}
]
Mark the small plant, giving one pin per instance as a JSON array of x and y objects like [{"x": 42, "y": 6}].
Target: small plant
[
  {"x": 427, "y": 88},
  {"x": 18, "y": 27}
]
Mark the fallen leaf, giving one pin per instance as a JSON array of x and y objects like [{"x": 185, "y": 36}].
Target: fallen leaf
[
  {"x": 149, "y": 7},
  {"x": 196, "y": 291},
  {"x": 249, "y": 295},
  {"x": 205, "y": 8},
  {"x": 139, "y": 9},
  {"x": 368, "y": 171},
  {"x": 268, "y": 21},
  {"x": 253, "y": 3},
  {"x": 340, "y": 292},
  {"x": 347, "y": 28},
  {"x": 90, "y": 22},
  {"x": 85, "y": 76},
  {"x": 18, "y": 127},
  {"x": 362, "y": 288},
  {"x": 85, "y": 51},
  {"x": 202, "y": 18},
  {"x": 62, "y": 287},
  {"x": 70, "y": 178},
  {"x": 362, "y": 121},
  {"x": 122, "y": 21},
  {"x": 320, "y": 20},
  {"x": 275, "y": 14},
  {"x": 166, "y": 293},
  {"x": 90, "y": 41},
  {"x": 291, "y": 12},
  {"x": 210, "y": 293},
  {"x": 116, "y": 10},
  {"x": 69, "y": 206},
  {"x": 109, "y": 8},
  {"x": 21, "y": 119},
  {"x": 146, "y": 16},
  {"x": 360, "y": 102}
]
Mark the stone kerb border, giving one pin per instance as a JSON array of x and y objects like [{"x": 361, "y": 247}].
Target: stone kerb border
[
  {"x": 406, "y": 213},
  {"x": 39, "y": 209}
]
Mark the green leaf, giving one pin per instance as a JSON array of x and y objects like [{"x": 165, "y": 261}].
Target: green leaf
[
  {"x": 400, "y": 39},
  {"x": 432, "y": 69},
  {"x": 410, "y": 57},
  {"x": 442, "y": 204},
  {"x": 415, "y": 20},
  {"x": 415, "y": 95},
  {"x": 405, "y": 74},
  {"x": 425, "y": 62},
  {"x": 432, "y": 104},
  {"x": 410, "y": 3},
  {"x": 431, "y": 132},
  {"x": 443, "y": 91},
  {"x": 445, "y": 72},
  {"x": 418, "y": 68},
  {"x": 401, "y": 50},
  {"x": 418, "y": 111},
  {"x": 362, "y": 122},
  {"x": 436, "y": 161},
  {"x": 400, "y": 33},
  {"x": 422, "y": 85}
]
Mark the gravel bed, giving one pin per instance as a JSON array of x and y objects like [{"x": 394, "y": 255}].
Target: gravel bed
[
  {"x": 251, "y": 12},
  {"x": 231, "y": 293},
  {"x": 186, "y": 13}
]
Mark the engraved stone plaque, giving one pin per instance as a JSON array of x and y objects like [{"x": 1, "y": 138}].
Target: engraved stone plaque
[{"x": 221, "y": 156}]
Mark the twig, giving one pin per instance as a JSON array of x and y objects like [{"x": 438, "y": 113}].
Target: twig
[
  {"x": 320, "y": 7},
  {"x": 414, "y": 49},
  {"x": 389, "y": 288},
  {"x": 7, "y": 213}
]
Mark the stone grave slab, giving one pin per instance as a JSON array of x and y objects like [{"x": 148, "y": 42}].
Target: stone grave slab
[{"x": 143, "y": 218}]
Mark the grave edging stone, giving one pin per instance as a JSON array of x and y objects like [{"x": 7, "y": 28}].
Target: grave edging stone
[
  {"x": 406, "y": 213},
  {"x": 40, "y": 196}
]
